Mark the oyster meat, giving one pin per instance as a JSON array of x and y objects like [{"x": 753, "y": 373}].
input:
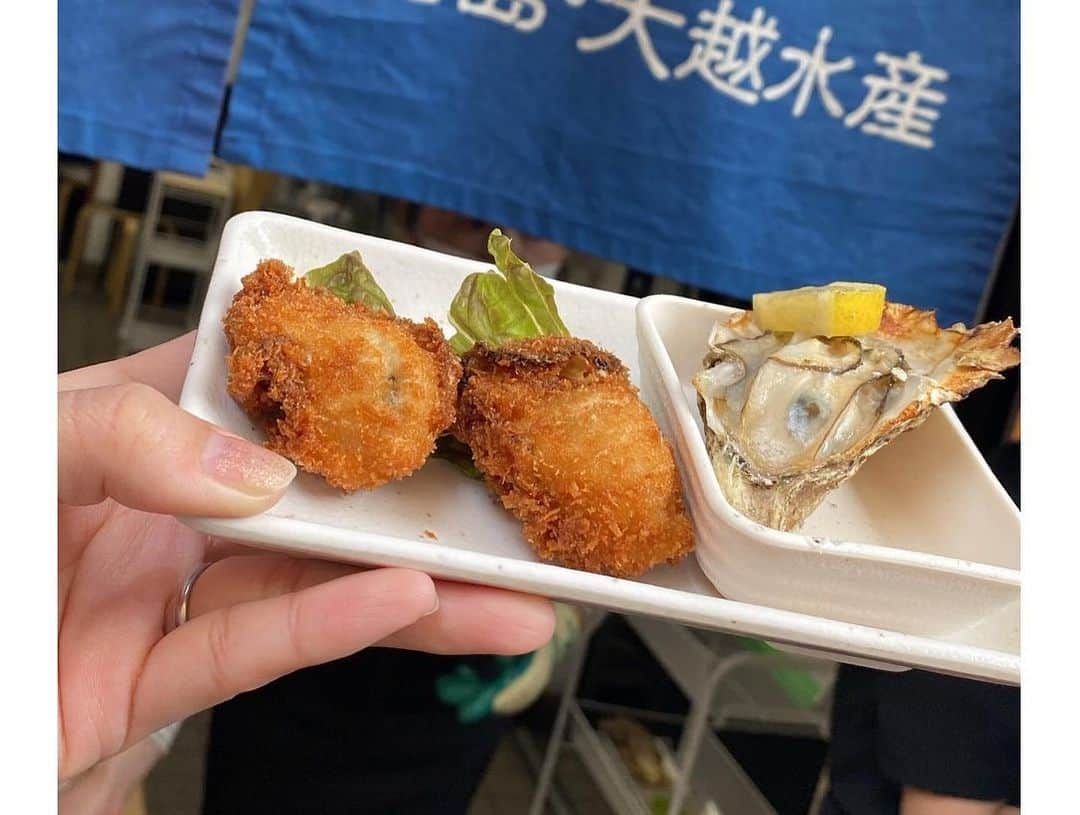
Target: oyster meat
[{"x": 789, "y": 417}]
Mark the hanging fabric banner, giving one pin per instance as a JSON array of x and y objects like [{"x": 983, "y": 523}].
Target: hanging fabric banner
[
  {"x": 729, "y": 145},
  {"x": 142, "y": 83}
]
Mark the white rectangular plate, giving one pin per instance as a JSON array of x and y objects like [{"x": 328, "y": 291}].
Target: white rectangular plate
[{"x": 475, "y": 539}]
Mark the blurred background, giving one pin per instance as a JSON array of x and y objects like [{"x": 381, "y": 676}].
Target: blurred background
[{"x": 483, "y": 113}]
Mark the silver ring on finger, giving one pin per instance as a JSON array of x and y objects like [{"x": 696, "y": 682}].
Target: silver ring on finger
[{"x": 185, "y": 595}]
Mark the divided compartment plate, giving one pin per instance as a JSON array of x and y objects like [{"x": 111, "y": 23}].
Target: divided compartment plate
[{"x": 475, "y": 539}]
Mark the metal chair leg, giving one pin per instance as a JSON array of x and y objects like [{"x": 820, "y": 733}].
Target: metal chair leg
[
  {"x": 75, "y": 253},
  {"x": 558, "y": 730},
  {"x": 697, "y": 724},
  {"x": 63, "y": 201},
  {"x": 690, "y": 743},
  {"x": 140, "y": 267},
  {"x": 120, "y": 266}
]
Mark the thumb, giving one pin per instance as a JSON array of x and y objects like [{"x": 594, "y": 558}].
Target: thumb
[{"x": 128, "y": 442}]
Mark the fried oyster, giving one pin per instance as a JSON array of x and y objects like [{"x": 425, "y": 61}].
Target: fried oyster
[
  {"x": 343, "y": 389},
  {"x": 563, "y": 439}
]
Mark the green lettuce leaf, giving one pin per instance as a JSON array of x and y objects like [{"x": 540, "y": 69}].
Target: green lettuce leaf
[
  {"x": 510, "y": 302},
  {"x": 450, "y": 449},
  {"x": 352, "y": 281},
  {"x": 531, "y": 289}
]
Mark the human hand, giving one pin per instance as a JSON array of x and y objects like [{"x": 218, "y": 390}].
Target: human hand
[
  {"x": 915, "y": 801},
  {"x": 130, "y": 459}
]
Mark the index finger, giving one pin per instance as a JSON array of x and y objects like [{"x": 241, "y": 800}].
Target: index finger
[{"x": 162, "y": 367}]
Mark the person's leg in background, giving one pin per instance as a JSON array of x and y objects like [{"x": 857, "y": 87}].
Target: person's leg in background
[
  {"x": 953, "y": 743},
  {"x": 856, "y": 783},
  {"x": 920, "y": 802},
  {"x": 365, "y": 734},
  {"x": 916, "y": 743}
]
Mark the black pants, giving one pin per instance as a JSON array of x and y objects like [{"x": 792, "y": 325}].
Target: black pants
[
  {"x": 949, "y": 736},
  {"x": 362, "y": 735}
]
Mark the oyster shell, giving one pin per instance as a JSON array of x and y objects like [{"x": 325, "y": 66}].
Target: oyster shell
[{"x": 790, "y": 417}]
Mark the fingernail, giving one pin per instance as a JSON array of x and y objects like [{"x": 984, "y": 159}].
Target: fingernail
[
  {"x": 435, "y": 607},
  {"x": 237, "y": 463}
]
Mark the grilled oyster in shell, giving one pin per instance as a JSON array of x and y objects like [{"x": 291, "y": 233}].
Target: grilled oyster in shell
[{"x": 790, "y": 417}]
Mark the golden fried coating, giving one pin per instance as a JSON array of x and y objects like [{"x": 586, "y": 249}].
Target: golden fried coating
[
  {"x": 350, "y": 393},
  {"x": 565, "y": 442}
]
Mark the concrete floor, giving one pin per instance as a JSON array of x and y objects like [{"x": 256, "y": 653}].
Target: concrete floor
[{"x": 87, "y": 332}]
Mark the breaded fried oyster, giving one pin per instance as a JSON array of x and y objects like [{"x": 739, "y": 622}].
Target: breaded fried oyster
[
  {"x": 342, "y": 387},
  {"x": 559, "y": 432}
]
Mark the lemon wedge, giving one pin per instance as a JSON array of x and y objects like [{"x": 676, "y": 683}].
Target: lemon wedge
[{"x": 835, "y": 310}]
